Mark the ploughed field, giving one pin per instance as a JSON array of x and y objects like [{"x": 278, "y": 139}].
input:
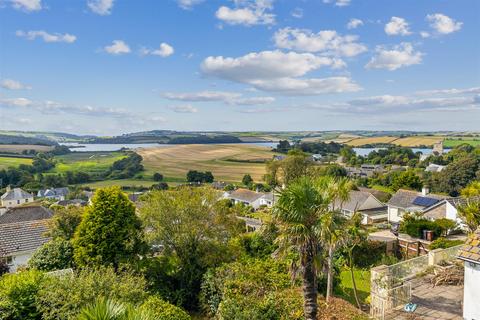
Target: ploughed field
[{"x": 227, "y": 162}]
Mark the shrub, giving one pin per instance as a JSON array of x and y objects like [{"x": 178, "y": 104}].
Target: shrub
[
  {"x": 53, "y": 255},
  {"x": 442, "y": 243},
  {"x": 157, "y": 176},
  {"x": 17, "y": 295},
  {"x": 161, "y": 309},
  {"x": 63, "y": 297},
  {"x": 414, "y": 227},
  {"x": 368, "y": 253}
]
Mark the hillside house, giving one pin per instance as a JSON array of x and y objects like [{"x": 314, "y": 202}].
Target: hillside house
[
  {"x": 53, "y": 194},
  {"x": 410, "y": 201},
  {"x": 22, "y": 231},
  {"x": 250, "y": 198},
  {"x": 432, "y": 167},
  {"x": 363, "y": 201},
  {"x": 15, "y": 197},
  {"x": 470, "y": 254}
]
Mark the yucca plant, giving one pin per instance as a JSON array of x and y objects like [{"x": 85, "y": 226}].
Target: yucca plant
[{"x": 106, "y": 309}]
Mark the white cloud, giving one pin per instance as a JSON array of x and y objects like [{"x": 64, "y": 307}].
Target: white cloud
[
  {"x": 314, "y": 86},
  {"x": 188, "y": 4},
  {"x": 223, "y": 96},
  {"x": 443, "y": 24},
  {"x": 473, "y": 90},
  {"x": 45, "y": 36},
  {"x": 397, "y": 26},
  {"x": 297, "y": 13},
  {"x": 354, "y": 23},
  {"x": 164, "y": 50},
  {"x": 27, "y": 5},
  {"x": 118, "y": 47},
  {"x": 277, "y": 71},
  {"x": 184, "y": 109},
  {"x": 16, "y": 102},
  {"x": 424, "y": 34},
  {"x": 247, "y": 12},
  {"x": 254, "y": 101},
  {"x": 264, "y": 65},
  {"x": 399, "y": 56},
  {"x": 338, "y": 3},
  {"x": 326, "y": 41},
  {"x": 101, "y": 7},
  {"x": 13, "y": 85},
  {"x": 201, "y": 96}
]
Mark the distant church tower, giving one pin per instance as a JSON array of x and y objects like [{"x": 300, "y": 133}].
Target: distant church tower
[{"x": 438, "y": 147}]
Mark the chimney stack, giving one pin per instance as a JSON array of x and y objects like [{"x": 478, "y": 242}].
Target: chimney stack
[{"x": 425, "y": 191}]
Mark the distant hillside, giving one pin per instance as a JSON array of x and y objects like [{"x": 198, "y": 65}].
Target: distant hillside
[{"x": 14, "y": 139}]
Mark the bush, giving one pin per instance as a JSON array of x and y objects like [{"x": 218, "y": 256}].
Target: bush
[
  {"x": 369, "y": 253},
  {"x": 17, "y": 295},
  {"x": 53, "y": 255},
  {"x": 157, "y": 176},
  {"x": 63, "y": 297},
  {"x": 414, "y": 226},
  {"x": 163, "y": 310},
  {"x": 442, "y": 243},
  {"x": 159, "y": 186}
]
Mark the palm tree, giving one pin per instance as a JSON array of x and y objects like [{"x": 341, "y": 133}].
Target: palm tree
[
  {"x": 470, "y": 214},
  {"x": 355, "y": 235},
  {"x": 299, "y": 212},
  {"x": 105, "y": 309},
  {"x": 333, "y": 222}
]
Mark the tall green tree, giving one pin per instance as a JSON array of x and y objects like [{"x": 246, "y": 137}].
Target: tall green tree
[
  {"x": 110, "y": 232},
  {"x": 193, "y": 229},
  {"x": 299, "y": 211}
]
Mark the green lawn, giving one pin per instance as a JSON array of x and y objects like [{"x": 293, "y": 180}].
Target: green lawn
[
  {"x": 362, "y": 279},
  {"x": 124, "y": 183},
  {"x": 450, "y": 143},
  {"x": 6, "y": 162}
]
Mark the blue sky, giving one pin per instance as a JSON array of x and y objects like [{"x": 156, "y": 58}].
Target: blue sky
[{"x": 115, "y": 66}]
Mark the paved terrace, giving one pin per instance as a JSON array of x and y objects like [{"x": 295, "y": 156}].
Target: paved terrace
[{"x": 433, "y": 303}]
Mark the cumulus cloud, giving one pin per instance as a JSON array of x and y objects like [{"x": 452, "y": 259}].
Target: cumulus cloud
[
  {"x": 443, "y": 24},
  {"x": 188, "y": 4},
  {"x": 453, "y": 91},
  {"x": 101, "y": 7},
  {"x": 354, "y": 23},
  {"x": 222, "y": 96},
  {"x": 16, "y": 102},
  {"x": 326, "y": 41},
  {"x": 247, "y": 12},
  {"x": 277, "y": 71},
  {"x": 397, "y": 26},
  {"x": 13, "y": 85},
  {"x": 184, "y": 109},
  {"x": 399, "y": 56},
  {"x": 117, "y": 47},
  {"x": 164, "y": 50},
  {"x": 424, "y": 34},
  {"x": 45, "y": 36},
  {"x": 27, "y": 5},
  {"x": 338, "y": 3}
]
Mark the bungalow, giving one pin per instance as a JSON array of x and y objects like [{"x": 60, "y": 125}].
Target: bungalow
[
  {"x": 366, "y": 203},
  {"x": 447, "y": 209},
  {"x": 470, "y": 254},
  {"x": 25, "y": 213},
  {"x": 22, "y": 232},
  {"x": 250, "y": 198},
  {"x": 432, "y": 167},
  {"x": 410, "y": 201},
  {"x": 54, "y": 193},
  {"x": 15, "y": 197}
]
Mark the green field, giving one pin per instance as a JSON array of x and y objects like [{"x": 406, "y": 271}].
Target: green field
[
  {"x": 6, "y": 162},
  {"x": 89, "y": 162},
  {"x": 362, "y": 280},
  {"x": 450, "y": 143}
]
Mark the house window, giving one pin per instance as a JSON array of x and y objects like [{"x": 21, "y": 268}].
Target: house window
[
  {"x": 7, "y": 260},
  {"x": 26, "y": 200},
  {"x": 18, "y": 201}
]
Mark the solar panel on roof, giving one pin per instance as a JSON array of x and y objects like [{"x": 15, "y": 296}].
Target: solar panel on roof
[{"x": 424, "y": 201}]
